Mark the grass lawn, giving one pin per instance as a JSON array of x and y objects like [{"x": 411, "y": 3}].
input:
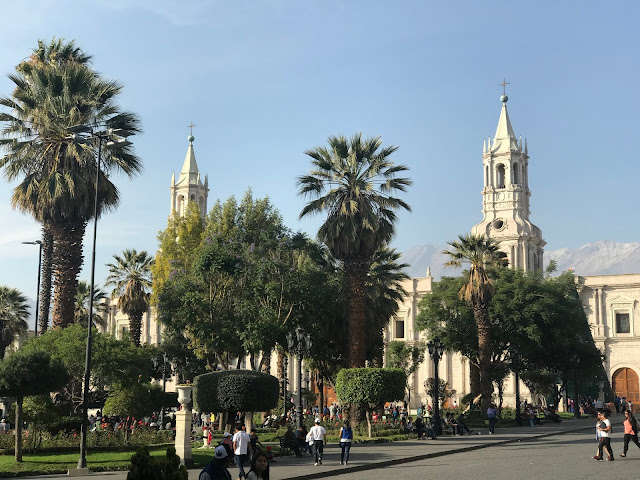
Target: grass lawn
[{"x": 48, "y": 463}]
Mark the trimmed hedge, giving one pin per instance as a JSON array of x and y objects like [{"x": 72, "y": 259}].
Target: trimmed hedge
[
  {"x": 235, "y": 390},
  {"x": 370, "y": 386}
]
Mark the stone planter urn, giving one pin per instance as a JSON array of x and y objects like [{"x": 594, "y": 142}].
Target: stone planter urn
[
  {"x": 184, "y": 394},
  {"x": 183, "y": 425}
]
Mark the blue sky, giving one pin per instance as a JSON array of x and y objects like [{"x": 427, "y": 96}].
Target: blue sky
[{"x": 265, "y": 80}]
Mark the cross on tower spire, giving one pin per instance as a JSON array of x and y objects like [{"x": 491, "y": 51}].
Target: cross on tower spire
[
  {"x": 191, "y": 125},
  {"x": 504, "y": 86}
]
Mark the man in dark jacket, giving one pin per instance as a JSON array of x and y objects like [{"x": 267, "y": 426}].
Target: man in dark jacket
[{"x": 217, "y": 468}]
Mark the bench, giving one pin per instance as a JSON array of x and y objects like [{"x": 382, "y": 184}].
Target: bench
[{"x": 285, "y": 447}]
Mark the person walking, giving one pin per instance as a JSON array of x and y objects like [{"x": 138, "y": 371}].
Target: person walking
[
  {"x": 346, "y": 437},
  {"x": 318, "y": 435},
  {"x": 492, "y": 414},
  {"x": 605, "y": 436},
  {"x": 241, "y": 449},
  {"x": 259, "y": 468},
  {"x": 630, "y": 431},
  {"x": 217, "y": 468}
]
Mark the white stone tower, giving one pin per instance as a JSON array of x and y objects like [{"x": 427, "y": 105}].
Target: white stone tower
[
  {"x": 189, "y": 187},
  {"x": 505, "y": 204}
]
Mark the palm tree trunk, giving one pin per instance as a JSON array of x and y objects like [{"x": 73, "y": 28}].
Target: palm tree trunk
[
  {"x": 481, "y": 314},
  {"x": 67, "y": 261},
  {"x": 135, "y": 327},
  {"x": 356, "y": 272},
  {"x": 45, "y": 279},
  {"x": 474, "y": 378}
]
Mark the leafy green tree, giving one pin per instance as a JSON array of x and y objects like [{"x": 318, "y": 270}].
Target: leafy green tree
[
  {"x": 14, "y": 313},
  {"x": 113, "y": 362},
  {"x": 129, "y": 402},
  {"x": 57, "y": 175},
  {"x": 406, "y": 358},
  {"x": 444, "y": 392},
  {"x": 178, "y": 242},
  {"x": 480, "y": 252},
  {"x": 370, "y": 387},
  {"x": 81, "y": 313},
  {"x": 352, "y": 181},
  {"x": 29, "y": 373},
  {"x": 235, "y": 390},
  {"x": 131, "y": 278}
]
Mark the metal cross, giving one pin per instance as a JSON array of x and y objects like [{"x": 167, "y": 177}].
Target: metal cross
[
  {"x": 504, "y": 86},
  {"x": 191, "y": 125}
]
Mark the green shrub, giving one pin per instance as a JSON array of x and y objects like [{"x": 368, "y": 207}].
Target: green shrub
[
  {"x": 233, "y": 390},
  {"x": 144, "y": 467}
]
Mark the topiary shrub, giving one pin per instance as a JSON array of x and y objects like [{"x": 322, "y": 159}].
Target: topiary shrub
[
  {"x": 370, "y": 387},
  {"x": 235, "y": 390},
  {"x": 145, "y": 467}
]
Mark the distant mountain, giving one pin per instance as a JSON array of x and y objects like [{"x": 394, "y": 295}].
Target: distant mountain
[{"x": 599, "y": 258}]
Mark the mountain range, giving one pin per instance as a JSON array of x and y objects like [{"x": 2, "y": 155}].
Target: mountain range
[{"x": 599, "y": 258}]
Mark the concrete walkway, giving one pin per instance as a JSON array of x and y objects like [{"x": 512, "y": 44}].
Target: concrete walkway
[{"x": 378, "y": 455}]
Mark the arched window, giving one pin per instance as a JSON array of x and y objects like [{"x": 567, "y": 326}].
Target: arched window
[
  {"x": 500, "y": 176},
  {"x": 515, "y": 174},
  {"x": 180, "y": 205},
  {"x": 193, "y": 198},
  {"x": 486, "y": 175}
]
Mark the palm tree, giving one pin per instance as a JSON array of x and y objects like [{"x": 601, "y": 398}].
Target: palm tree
[
  {"x": 14, "y": 313},
  {"x": 58, "y": 175},
  {"x": 81, "y": 313},
  {"x": 480, "y": 252},
  {"x": 131, "y": 278},
  {"x": 351, "y": 182}
]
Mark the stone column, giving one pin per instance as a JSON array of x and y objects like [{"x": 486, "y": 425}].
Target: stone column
[{"x": 183, "y": 426}]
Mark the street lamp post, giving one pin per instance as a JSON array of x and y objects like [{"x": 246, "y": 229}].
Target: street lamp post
[
  {"x": 164, "y": 385},
  {"x": 436, "y": 350},
  {"x": 39, "y": 243},
  {"x": 299, "y": 345},
  {"x": 112, "y": 138},
  {"x": 284, "y": 386},
  {"x": 515, "y": 359}
]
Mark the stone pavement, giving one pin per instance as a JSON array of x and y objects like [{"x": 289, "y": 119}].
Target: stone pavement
[{"x": 379, "y": 455}]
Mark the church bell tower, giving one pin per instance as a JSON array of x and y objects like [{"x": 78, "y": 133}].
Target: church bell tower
[
  {"x": 189, "y": 187},
  {"x": 505, "y": 195}
]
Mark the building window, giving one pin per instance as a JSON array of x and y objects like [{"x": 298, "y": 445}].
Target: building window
[
  {"x": 515, "y": 174},
  {"x": 622, "y": 323},
  {"x": 399, "y": 328}
]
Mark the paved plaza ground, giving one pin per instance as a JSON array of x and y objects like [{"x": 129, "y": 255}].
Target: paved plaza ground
[{"x": 545, "y": 452}]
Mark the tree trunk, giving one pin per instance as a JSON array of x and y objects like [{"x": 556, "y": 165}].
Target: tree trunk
[
  {"x": 45, "y": 279},
  {"x": 474, "y": 378},
  {"x": 18, "y": 444},
  {"x": 481, "y": 314},
  {"x": 135, "y": 327},
  {"x": 356, "y": 273},
  {"x": 221, "y": 420},
  {"x": 67, "y": 261},
  {"x": 248, "y": 421},
  {"x": 369, "y": 426},
  {"x": 320, "y": 385}
]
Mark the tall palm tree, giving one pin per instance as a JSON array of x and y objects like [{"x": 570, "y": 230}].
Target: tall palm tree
[
  {"x": 14, "y": 313},
  {"x": 58, "y": 175},
  {"x": 57, "y": 52},
  {"x": 480, "y": 252},
  {"x": 131, "y": 278},
  {"x": 352, "y": 181},
  {"x": 81, "y": 314}
]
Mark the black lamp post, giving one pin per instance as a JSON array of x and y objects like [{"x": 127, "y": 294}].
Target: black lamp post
[
  {"x": 299, "y": 345},
  {"x": 112, "y": 138},
  {"x": 436, "y": 350},
  {"x": 515, "y": 360},
  {"x": 284, "y": 385},
  {"x": 39, "y": 243},
  {"x": 164, "y": 384}
]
